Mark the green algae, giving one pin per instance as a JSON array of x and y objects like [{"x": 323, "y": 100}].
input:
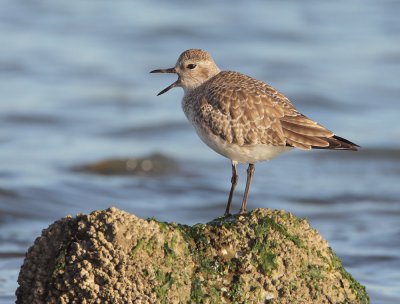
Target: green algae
[
  {"x": 140, "y": 244},
  {"x": 356, "y": 287},
  {"x": 165, "y": 281},
  {"x": 196, "y": 294},
  {"x": 59, "y": 262}
]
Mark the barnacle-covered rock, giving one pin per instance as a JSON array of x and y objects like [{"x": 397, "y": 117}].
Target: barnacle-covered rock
[{"x": 111, "y": 256}]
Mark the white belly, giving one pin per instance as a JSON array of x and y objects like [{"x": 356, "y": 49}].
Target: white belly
[{"x": 248, "y": 154}]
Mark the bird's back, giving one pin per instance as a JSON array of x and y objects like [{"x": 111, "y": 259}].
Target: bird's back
[{"x": 244, "y": 111}]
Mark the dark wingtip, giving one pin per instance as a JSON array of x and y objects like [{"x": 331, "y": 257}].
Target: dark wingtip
[
  {"x": 347, "y": 144},
  {"x": 339, "y": 143}
]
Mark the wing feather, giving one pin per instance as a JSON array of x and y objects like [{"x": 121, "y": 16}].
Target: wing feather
[{"x": 245, "y": 111}]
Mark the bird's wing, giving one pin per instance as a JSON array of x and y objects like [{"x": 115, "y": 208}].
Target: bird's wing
[
  {"x": 245, "y": 111},
  {"x": 302, "y": 132}
]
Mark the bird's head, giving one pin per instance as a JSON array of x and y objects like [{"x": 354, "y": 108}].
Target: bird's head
[{"x": 193, "y": 67}]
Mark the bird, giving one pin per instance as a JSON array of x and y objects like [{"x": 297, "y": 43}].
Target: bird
[{"x": 242, "y": 118}]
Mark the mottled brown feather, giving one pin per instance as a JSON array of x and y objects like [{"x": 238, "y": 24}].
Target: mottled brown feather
[
  {"x": 305, "y": 129},
  {"x": 246, "y": 111}
]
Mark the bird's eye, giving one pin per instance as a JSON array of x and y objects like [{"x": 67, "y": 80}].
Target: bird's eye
[{"x": 191, "y": 66}]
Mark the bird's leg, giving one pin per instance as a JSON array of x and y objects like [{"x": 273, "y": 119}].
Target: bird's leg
[
  {"x": 234, "y": 181},
  {"x": 250, "y": 173}
]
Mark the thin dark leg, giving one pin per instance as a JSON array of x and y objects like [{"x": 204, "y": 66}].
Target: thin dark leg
[
  {"x": 234, "y": 181},
  {"x": 250, "y": 173}
]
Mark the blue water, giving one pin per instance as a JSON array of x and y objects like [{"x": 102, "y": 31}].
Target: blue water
[{"x": 75, "y": 89}]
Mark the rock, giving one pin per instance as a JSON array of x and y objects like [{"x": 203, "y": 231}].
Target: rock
[
  {"x": 154, "y": 164},
  {"x": 111, "y": 256}
]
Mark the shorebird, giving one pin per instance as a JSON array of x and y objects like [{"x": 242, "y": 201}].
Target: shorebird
[{"x": 242, "y": 118}]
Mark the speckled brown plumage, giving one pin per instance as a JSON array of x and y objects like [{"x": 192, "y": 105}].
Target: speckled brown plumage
[
  {"x": 245, "y": 111},
  {"x": 194, "y": 55}
]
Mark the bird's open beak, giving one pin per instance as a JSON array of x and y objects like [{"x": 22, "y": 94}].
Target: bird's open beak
[{"x": 171, "y": 71}]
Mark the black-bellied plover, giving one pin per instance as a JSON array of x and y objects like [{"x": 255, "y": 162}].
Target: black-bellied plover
[{"x": 242, "y": 118}]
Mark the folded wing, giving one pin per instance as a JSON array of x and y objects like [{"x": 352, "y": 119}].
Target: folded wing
[{"x": 245, "y": 111}]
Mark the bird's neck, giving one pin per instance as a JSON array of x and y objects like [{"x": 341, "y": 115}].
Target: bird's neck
[{"x": 192, "y": 85}]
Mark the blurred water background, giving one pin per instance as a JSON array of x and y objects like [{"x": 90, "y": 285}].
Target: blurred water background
[{"x": 75, "y": 89}]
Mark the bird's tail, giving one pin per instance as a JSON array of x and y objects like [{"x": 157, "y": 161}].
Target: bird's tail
[{"x": 338, "y": 143}]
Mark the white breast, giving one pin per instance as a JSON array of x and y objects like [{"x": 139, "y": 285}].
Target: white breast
[{"x": 248, "y": 154}]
